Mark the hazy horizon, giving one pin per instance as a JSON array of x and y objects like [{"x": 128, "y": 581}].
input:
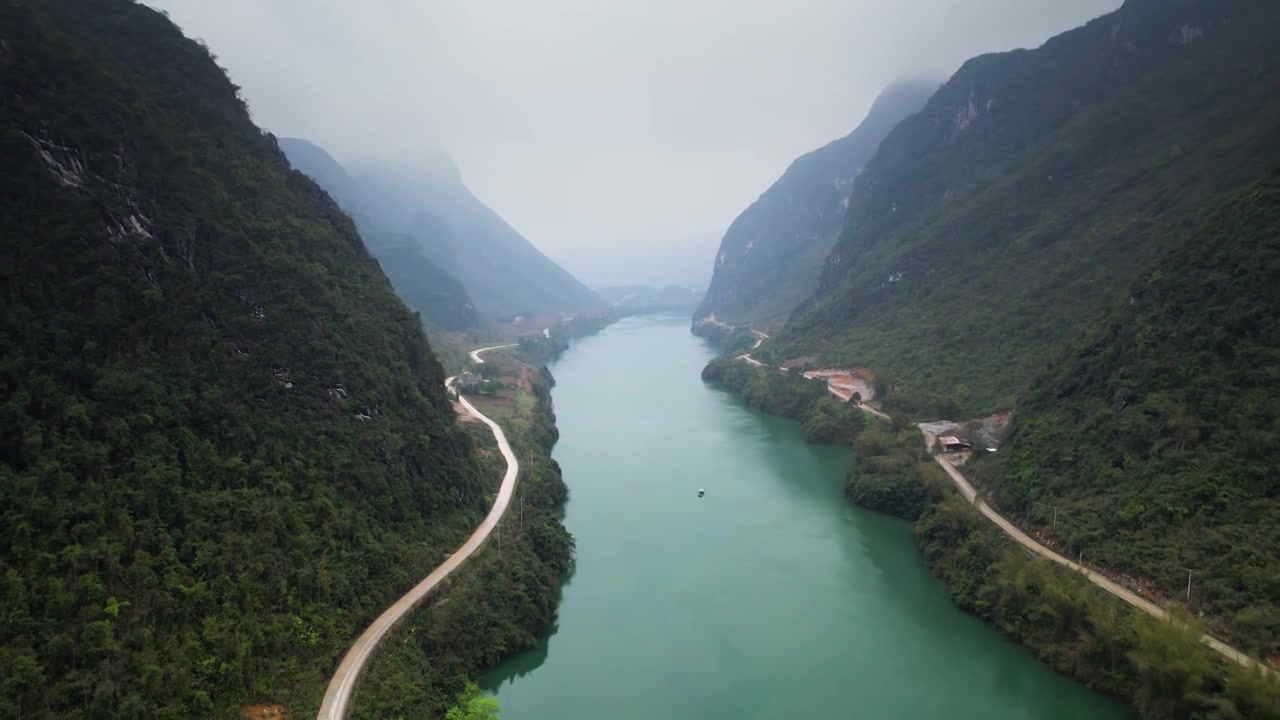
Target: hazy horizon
[{"x": 621, "y": 141}]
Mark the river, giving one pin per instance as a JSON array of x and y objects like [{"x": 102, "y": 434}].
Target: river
[{"x": 771, "y": 597}]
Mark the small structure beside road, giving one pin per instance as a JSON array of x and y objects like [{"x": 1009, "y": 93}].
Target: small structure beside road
[{"x": 953, "y": 443}]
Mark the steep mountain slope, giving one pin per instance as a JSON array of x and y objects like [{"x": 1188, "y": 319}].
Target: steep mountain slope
[
  {"x": 319, "y": 165},
  {"x": 991, "y": 227},
  {"x": 424, "y": 285},
  {"x": 224, "y": 442},
  {"x": 771, "y": 257},
  {"x": 431, "y": 234},
  {"x": 503, "y": 272},
  {"x": 1158, "y": 439}
]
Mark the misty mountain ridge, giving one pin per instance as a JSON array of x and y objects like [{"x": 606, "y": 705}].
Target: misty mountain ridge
[
  {"x": 502, "y": 271},
  {"x": 427, "y": 286},
  {"x": 771, "y": 256},
  {"x": 399, "y": 190}
]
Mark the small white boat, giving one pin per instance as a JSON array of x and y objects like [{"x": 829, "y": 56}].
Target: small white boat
[{"x": 701, "y": 492}]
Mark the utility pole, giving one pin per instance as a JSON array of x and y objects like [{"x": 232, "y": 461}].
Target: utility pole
[
  {"x": 1055, "y": 517},
  {"x": 521, "y": 512},
  {"x": 1188, "y": 586}
]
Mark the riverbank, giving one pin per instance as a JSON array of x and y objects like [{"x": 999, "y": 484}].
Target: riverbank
[
  {"x": 338, "y": 695},
  {"x": 505, "y": 598},
  {"x": 768, "y": 597},
  {"x": 1160, "y": 667}
]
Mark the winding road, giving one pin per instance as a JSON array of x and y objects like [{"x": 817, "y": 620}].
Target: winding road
[
  {"x": 1102, "y": 581},
  {"x": 839, "y": 392},
  {"x": 337, "y": 697},
  {"x": 475, "y": 358}
]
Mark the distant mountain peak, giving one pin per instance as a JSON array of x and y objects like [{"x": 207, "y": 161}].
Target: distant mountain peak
[
  {"x": 771, "y": 257},
  {"x": 423, "y": 276},
  {"x": 422, "y": 196}
]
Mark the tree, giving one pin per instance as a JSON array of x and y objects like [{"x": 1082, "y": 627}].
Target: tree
[
  {"x": 473, "y": 704},
  {"x": 1250, "y": 693},
  {"x": 1172, "y": 667}
]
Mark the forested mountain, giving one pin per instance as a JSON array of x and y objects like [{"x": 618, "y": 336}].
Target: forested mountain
[
  {"x": 224, "y": 441},
  {"x": 502, "y": 271},
  {"x": 993, "y": 226},
  {"x": 771, "y": 257},
  {"x": 1158, "y": 440},
  {"x": 1086, "y": 234},
  {"x": 424, "y": 284}
]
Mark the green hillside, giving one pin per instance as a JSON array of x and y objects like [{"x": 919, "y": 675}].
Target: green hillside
[
  {"x": 1158, "y": 441},
  {"x": 771, "y": 257},
  {"x": 424, "y": 285},
  {"x": 993, "y": 226},
  {"x": 224, "y": 441}
]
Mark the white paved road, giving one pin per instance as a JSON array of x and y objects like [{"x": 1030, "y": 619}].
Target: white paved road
[
  {"x": 1098, "y": 579},
  {"x": 336, "y": 698},
  {"x": 475, "y": 355}
]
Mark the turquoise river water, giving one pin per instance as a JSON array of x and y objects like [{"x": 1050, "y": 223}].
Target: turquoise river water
[{"x": 771, "y": 597}]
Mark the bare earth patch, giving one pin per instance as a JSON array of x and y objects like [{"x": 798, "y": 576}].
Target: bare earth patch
[
  {"x": 847, "y": 381},
  {"x": 266, "y": 712},
  {"x": 525, "y": 378}
]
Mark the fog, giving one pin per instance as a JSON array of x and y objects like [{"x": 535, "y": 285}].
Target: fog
[{"x": 620, "y": 138}]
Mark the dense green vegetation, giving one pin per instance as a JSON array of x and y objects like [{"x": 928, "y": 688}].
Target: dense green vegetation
[
  {"x": 826, "y": 419},
  {"x": 424, "y": 285},
  {"x": 893, "y": 474},
  {"x": 505, "y": 598},
  {"x": 224, "y": 442},
  {"x": 1158, "y": 439},
  {"x": 994, "y": 226},
  {"x": 473, "y": 704},
  {"x": 1078, "y": 208},
  {"x": 541, "y": 348},
  {"x": 771, "y": 257},
  {"x": 1161, "y": 667},
  {"x": 890, "y": 473}
]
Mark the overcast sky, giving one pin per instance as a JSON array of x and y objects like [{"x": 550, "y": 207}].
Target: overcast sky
[{"x": 621, "y": 138}]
